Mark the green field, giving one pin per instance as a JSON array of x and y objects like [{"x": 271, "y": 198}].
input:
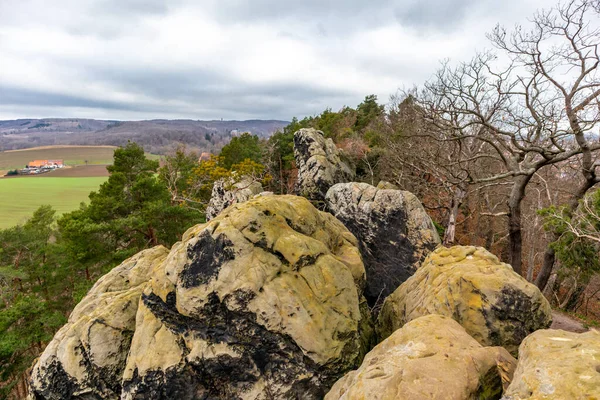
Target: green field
[
  {"x": 19, "y": 197},
  {"x": 71, "y": 155}
]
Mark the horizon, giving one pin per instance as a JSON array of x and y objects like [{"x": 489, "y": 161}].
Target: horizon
[{"x": 148, "y": 120}]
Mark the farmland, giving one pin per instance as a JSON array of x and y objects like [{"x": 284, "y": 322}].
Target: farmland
[
  {"x": 72, "y": 155},
  {"x": 19, "y": 197},
  {"x": 64, "y": 189}
]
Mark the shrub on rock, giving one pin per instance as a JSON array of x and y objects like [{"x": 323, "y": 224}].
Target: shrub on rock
[
  {"x": 432, "y": 357},
  {"x": 494, "y": 304}
]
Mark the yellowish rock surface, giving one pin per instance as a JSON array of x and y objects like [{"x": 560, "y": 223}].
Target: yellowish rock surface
[
  {"x": 557, "y": 365},
  {"x": 265, "y": 298},
  {"x": 494, "y": 304},
  {"x": 431, "y": 357},
  {"x": 87, "y": 355}
]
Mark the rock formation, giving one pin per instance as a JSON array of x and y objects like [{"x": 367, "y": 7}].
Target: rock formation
[
  {"x": 387, "y": 185},
  {"x": 226, "y": 193},
  {"x": 555, "y": 364},
  {"x": 432, "y": 358},
  {"x": 87, "y": 356},
  {"x": 261, "y": 302},
  {"x": 494, "y": 304},
  {"x": 395, "y": 233},
  {"x": 319, "y": 163}
]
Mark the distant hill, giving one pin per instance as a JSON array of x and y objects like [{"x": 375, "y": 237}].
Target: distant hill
[{"x": 156, "y": 136}]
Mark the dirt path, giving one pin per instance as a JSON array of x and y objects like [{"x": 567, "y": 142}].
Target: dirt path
[{"x": 566, "y": 323}]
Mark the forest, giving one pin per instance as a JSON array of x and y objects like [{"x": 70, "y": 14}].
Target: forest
[{"x": 502, "y": 150}]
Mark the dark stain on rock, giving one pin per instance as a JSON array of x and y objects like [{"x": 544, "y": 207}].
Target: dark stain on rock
[
  {"x": 262, "y": 354},
  {"x": 206, "y": 257},
  {"x": 59, "y": 384},
  {"x": 387, "y": 253},
  {"x": 517, "y": 312}
]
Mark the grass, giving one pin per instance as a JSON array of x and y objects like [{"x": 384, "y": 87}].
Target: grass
[
  {"x": 20, "y": 197},
  {"x": 71, "y": 155}
]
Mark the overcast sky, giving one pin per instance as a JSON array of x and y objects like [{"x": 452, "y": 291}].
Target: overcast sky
[{"x": 231, "y": 59}]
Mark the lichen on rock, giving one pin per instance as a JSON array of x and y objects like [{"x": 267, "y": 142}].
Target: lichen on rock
[
  {"x": 226, "y": 192},
  {"x": 264, "y": 301},
  {"x": 395, "y": 233},
  {"x": 86, "y": 358},
  {"x": 320, "y": 164},
  {"x": 555, "y": 364},
  {"x": 431, "y": 357},
  {"x": 494, "y": 304}
]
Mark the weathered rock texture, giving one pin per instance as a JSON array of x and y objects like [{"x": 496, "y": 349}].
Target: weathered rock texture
[
  {"x": 387, "y": 185},
  {"x": 395, "y": 233},
  {"x": 319, "y": 163},
  {"x": 87, "y": 356},
  {"x": 494, "y": 304},
  {"x": 226, "y": 193},
  {"x": 261, "y": 302},
  {"x": 431, "y": 357},
  {"x": 555, "y": 364}
]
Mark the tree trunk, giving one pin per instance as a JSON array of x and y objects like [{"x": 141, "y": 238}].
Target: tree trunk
[
  {"x": 515, "y": 246},
  {"x": 457, "y": 200},
  {"x": 549, "y": 256},
  {"x": 575, "y": 300},
  {"x": 548, "y": 265}
]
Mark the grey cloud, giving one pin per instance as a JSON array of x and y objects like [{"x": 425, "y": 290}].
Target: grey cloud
[
  {"x": 435, "y": 14},
  {"x": 10, "y": 95},
  {"x": 220, "y": 94},
  {"x": 325, "y": 28}
]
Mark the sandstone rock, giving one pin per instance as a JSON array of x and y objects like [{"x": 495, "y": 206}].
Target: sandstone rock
[
  {"x": 387, "y": 185},
  {"x": 555, "y": 364},
  {"x": 395, "y": 233},
  {"x": 494, "y": 304},
  {"x": 226, "y": 193},
  {"x": 261, "y": 302},
  {"x": 319, "y": 163},
  {"x": 431, "y": 357},
  {"x": 87, "y": 356}
]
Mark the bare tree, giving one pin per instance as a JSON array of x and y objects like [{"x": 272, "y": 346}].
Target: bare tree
[
  {"x": 562, "y": 48},
  {"x": 529, "y": 108}
]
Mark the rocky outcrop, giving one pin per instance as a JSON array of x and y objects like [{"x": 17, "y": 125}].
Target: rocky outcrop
[
  {"x": 86, "y": 358},
  {"x": 494, "y": 304},
  {"x": 555, "y": 364},
  {"x": 395, "y": 233},
  {"x": 226, "y": 193},
  {"x": 261, "y": 302},
  {"x": 319, "y": 163},
  {"x": 387, "y": 185},
  {"x": 431, "y": 357}
]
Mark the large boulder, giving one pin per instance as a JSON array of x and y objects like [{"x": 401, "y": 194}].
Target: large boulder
[
  {"x": 555, "y": 364},
  {"x": 227, "y": 192},
  {"x": 395, "y": 233},
  {"x": 86, "y": 358},
  {"x": 261, "y": 302},
  {"x": 494, "y": 304},
  {"x": 431, "y": 357},
  {"x": 319, "y": 163}
]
